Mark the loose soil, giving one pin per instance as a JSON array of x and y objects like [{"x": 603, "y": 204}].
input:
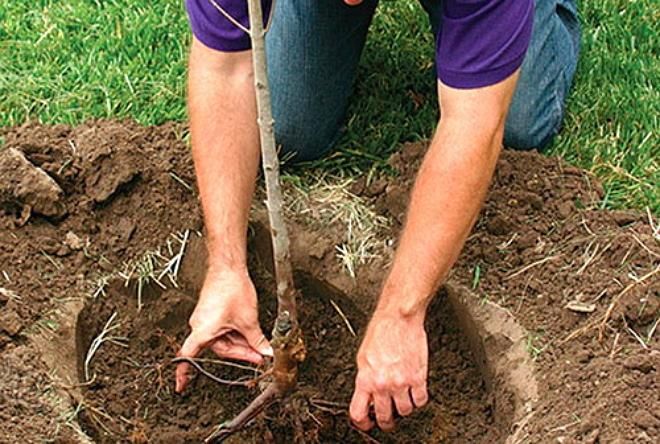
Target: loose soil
[{"x": 107, "y": 192}]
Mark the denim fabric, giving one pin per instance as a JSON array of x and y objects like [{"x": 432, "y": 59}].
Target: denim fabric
[{"x": 313, "y": 50}]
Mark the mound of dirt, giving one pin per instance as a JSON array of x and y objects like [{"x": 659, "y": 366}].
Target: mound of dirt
[
  {"x": 75, "y": 205},
  {"x": 116, "y": 181},
  {"x": 27, "y": 187},
  {"x": 582, "y": 281}
]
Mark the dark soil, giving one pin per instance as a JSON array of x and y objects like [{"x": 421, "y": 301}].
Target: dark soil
[
  {"x": 113, "y": 192},
  {"x": 60, "y": 235}
]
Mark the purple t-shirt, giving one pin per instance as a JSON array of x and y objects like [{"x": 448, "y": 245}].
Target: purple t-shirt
[{"x": 481, "y": 43}]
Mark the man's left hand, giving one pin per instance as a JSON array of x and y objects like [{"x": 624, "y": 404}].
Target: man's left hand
[{"x": 392, "y": 370}]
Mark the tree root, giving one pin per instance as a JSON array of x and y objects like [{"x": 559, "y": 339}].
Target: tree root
[
  {"x": 289, "y": 351},
  {"x": 224, "y": 430},
  {"x": 211, "y": 376}
]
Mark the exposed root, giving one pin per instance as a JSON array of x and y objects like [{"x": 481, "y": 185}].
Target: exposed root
[
  {"x": 333, "y": 408},
  {"x": 8, "y": 294},
  {"x": 365, "y": 436},
  {"x": 211, "y": 376},
  {"x": 265, "y": 398},
  {"x": 104, "y": 336},
  {"x": 343, "y": 317},
  {"x": 530, "y": 266},
  {"x": 602, "y": 324},
  {"x": 231, "y": 364},
  {"x": 95, "y": 414},
  {"x": 651, "y": 332},
  {"x": 289, "y": 351}
]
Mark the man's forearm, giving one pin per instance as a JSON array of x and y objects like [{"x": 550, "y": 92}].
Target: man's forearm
[
  {"x": 444, "y": 204},
  {"x": 447, "y": 196},
  {"x": 225, "y": 144}
]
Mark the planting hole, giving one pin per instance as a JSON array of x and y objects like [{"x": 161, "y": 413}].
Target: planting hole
[{"x": 128, "y": 390}]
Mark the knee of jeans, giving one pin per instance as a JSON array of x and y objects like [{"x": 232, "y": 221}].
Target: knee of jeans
[
  {"x": 300, "y": 142},
  {"x": 524, "y": 132}
]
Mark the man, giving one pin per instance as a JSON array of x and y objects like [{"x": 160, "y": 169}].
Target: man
[{"x": 486, "y": 94}]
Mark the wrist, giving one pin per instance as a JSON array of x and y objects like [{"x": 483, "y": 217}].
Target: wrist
[
  {"x": 220, "y": 265},
  {"x": 402, "y": 306},
  {"x": 226, "y": 258},
  {"x": 404, "y": 298},
  {"x": 402, "y": 312}
]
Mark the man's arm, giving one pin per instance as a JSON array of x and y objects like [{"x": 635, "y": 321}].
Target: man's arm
[
  {"x": 225, "y": 145},
  {"x": 445, "y": 202}
]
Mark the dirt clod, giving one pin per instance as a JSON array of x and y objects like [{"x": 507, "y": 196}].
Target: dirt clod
[
  {"x": 645, "y": 420},
  {"x": 499, "y": 226},
  {"x": 26, "y": 186},
  {"x": 642, "y": 363},
  {"x": 10, "y": 322},
  {"x": 72, "y": 241}
]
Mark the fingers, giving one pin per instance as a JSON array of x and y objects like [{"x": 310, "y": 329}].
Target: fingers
[
  {"x": 233, "y": 350},
  {"x": 256, "y": 339},
  {"x": 383, "y": 407},
  {"x": 384, "y": 402},
  {"x": 419, "y": 395},
  {"x": 190, "y": 349},
  {"x": 359, "y": 410},
  {"x": 403, "y": 402}
]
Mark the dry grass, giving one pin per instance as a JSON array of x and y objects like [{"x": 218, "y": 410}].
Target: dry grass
[
  {"x": 152, "y": 267},
  {"x": 325, "y": 201},
  {"x": 106, "y": 335},
  {"x": 9, "y": 294}
]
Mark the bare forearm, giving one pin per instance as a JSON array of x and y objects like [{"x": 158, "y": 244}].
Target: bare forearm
[
  {"x": 225, "y": 145},
  {"x": 448, "y": 194},
  {"x": 445, "y": 202}
]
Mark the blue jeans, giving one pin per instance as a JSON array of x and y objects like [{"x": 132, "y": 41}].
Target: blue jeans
[{"x": 314, "y": 47}]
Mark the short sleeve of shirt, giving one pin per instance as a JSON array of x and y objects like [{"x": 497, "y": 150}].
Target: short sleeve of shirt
[
  {"x": 482, "y": 42},
  {"x": 214, "y": 30}
]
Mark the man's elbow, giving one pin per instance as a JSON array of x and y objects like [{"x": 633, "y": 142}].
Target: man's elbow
[
  {"x": 231, "y": 66},
  {"x": 482, "y": 131}
]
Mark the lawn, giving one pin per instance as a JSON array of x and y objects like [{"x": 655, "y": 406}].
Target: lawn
[{"x": 64, "y": 62}]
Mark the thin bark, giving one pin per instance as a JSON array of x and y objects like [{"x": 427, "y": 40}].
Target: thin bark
[{"x": 286, "y": 292}]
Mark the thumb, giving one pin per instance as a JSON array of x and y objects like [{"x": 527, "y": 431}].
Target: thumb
[
  {"x": 190, "y": 349},
  {"x": 257, "y": 340}
]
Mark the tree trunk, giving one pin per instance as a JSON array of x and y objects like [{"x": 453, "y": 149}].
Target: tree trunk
[{"x": 287, "y": 340}]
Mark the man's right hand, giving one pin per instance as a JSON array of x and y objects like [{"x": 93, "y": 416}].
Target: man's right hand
[{"x": 226, "y": 321}]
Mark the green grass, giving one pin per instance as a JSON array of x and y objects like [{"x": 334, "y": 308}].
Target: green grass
[{"x": 64, "y": 62}]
